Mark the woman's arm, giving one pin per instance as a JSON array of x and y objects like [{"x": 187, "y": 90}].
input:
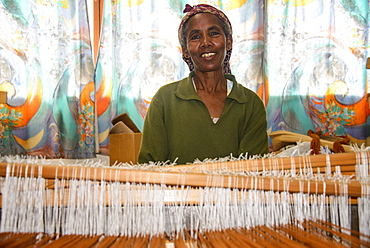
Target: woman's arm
[
  {"x": 154, "y": 144},
  {"x": 255, "y": 139}
]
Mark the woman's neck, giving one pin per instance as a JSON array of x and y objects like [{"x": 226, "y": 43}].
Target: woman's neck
[{"x": 210, "y": 82}]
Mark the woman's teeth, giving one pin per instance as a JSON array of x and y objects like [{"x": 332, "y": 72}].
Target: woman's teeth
[{"x": 206, "y": 55}]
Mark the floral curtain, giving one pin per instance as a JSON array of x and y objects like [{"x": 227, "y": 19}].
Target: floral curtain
[
  {"x": 306, "y": 60},
  {"x": 47, "y": 70}
]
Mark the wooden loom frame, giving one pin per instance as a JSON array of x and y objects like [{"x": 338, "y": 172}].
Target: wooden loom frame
[
  {"x": 197, "y": 175},
  {"x": 205, "y": 174}
]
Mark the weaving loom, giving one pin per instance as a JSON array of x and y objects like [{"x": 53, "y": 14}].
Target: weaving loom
[{"x": 269, "y": 202}]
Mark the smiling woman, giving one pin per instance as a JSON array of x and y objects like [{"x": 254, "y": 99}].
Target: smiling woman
[{"x": 208, "y": 114}]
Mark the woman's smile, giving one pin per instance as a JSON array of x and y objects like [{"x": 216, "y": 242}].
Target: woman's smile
[{"x": 207, "y": 55}]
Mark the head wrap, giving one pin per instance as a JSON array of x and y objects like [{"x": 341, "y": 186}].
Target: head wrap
[{"x": 205, "y": 8}]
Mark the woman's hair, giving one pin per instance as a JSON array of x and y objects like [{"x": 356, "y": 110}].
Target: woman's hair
[{"x": 204, "y": 8}]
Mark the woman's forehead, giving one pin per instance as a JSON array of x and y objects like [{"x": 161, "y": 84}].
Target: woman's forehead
[{"x": 201, "y": 19}]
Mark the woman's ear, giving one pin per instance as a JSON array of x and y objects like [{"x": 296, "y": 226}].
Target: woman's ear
[
  {"x": 185, "y": 53},
  {"x": 229, "y": 43}
]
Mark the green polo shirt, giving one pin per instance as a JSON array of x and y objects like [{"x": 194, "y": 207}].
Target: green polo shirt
[{"x": 179, "y": 126}]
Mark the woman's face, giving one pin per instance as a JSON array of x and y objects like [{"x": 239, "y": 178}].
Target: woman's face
[{"x": 207, "y": 43}]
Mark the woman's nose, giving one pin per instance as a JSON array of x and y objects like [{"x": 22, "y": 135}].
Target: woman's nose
[{"x": 206, "y": 42}]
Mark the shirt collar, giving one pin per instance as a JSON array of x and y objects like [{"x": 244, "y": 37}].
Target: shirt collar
[{"x": 185, "y": 90}]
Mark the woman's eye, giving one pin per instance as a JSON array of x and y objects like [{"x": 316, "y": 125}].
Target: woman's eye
[{"x": 194, "y": 37}]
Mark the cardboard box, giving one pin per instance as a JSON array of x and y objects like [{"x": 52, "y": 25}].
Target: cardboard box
[
  {"x": 124, "y": 140},
  {"x": 124, "y": 147}
]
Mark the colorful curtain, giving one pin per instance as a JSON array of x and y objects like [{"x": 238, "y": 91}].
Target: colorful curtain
[
  {"x": 306, "y": 60},
  {"x": 315, "y": 61},
  {"x": 46, "y": 67}
]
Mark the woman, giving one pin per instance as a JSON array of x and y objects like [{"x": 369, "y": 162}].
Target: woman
[{"x": 208, "y": 114}]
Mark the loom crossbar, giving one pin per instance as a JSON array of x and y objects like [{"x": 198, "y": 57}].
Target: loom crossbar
[
  {"x": 345, "y": 160},
  {"x": 236, "y": 181}
]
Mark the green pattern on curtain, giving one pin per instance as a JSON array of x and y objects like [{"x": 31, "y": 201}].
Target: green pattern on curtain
[
  {"x": 46, "y": 67},
  {"x": 305, "y": 59}
]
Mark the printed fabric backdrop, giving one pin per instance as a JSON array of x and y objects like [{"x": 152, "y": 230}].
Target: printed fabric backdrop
[
  {"x": 315, "y": 61},
  {"x": 306, "y": 60},
  {"x": 47, "y": 69}
]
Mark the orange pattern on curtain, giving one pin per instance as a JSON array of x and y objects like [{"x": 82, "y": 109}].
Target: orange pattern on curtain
[{"x": 47, "y": 69}]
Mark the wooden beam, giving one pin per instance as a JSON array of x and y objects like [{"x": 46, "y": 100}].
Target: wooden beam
[
  {"x": 187, "y": 178},
  {"x": 98, "y": 9}
]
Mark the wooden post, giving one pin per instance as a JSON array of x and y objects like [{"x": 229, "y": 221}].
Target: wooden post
[{"x": 3, "y": 96}]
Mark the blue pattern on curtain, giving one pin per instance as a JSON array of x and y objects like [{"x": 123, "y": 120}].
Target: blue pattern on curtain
[
  {"x": 47, "y": 70},
  {"x": 305, "y": 59},
  {"x": 315, "y": 66}
]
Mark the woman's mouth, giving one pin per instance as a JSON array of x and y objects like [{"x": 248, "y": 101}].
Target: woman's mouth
[{"x": 206, "y": 55}]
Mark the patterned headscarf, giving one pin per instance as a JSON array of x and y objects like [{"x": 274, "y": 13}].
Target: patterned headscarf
[{"x": 205, "y": 8}]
